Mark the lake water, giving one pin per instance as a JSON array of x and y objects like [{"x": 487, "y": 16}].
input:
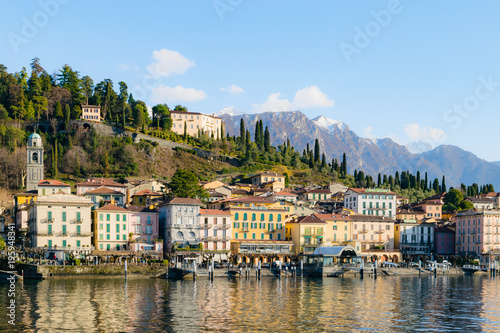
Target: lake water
[{"x": 387, "y": 304}]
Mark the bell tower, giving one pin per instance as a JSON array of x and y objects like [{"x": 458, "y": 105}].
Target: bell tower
[{"x": 34, "y": 162}]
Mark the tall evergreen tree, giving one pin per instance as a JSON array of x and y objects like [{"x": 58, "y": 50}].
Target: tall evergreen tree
[
  {"x": 242, "y": 131},
  {"x": 396, "y": 179},
  {"x": 344, "y": 165},
  {"x": 267, "y": 140},
  {"x": 435, "y": 185},
  {"x": 426, "y": 182},
  {"x": 316, "y": 151},
  {"x": 379, "y": 180},
  {"x": 418, "y": 179},
  {"x": 443, "y": 185}
]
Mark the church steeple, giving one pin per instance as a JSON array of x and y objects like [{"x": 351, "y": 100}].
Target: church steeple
[{"x": 34, "y": 162}]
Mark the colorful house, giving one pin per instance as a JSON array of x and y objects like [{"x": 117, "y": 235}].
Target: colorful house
[
  {"x": 111, "y": 228},
  {"x": 144, "y": 229},
  {"x": 215, "y": 229},
  {"x": 306, "y": 232},
  {"x": 146, "y": 198}
]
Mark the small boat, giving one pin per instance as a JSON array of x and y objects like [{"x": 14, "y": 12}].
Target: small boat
[{"x": 232, "y": 273}]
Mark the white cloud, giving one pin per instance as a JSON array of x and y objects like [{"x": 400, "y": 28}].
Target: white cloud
[
  {"x": 165, "y": 94},
  {"x": 123, "y": 67},
  {"x": 369, "y": 132},
  {"x": 168, "y": 62},
  {"x": 309, "y": 97},
  {"x": 429, "y": 134},
  {"x": 233, "y": 89}
]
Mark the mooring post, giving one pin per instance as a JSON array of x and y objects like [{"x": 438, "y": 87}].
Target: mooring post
[
  {"x": 361, "y": 270},
  {"x": 301, "y": 267},
  {"x": 194, "y": 270},
  {"x": 259, "y": 268},
  {"x": 125, "y": 268}
]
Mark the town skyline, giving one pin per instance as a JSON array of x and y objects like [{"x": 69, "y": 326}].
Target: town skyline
[{"x": 387, "y": 69}]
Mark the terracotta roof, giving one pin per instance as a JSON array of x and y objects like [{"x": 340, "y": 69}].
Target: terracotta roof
[
  {"x": 214, "y": 212},
  {"x": 333, "y": 217},
  {"x": 148, "y": 192},
  {"x": 239, "y": 191},
  {"x": 103, "y": 190},
  {"x": 318, "y": 191},
  {"x": 483, "y": 199},
  {"x": 141, "y": 209},
  {"x": 101, "y": 182},
  {"x": 185, "y": 201},
  {"x": 308, "y": 219},
  {"x": 249, "y": 199},
  {"x": 216, "y": 194},
  {"x": 267, "y": 173},
  {"x": 283, "y": 193},
  {"x": 371, "y": 218},
  {"x": 51, "y": 182},
  {"x": 445, "y": 230},
  {"x": 112, "y": 208}
]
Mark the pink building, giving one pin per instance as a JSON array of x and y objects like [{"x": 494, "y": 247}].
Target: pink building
[
  {"x": 444, "y": 241},
  {"x": 432, "y": 208},
  {"x": 215, "y": 229},
  {"x": 478, "y": 232},
  {"x": 144, "y": 229}
]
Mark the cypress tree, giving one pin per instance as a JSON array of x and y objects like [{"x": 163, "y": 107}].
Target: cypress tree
[
  {"x": 242, "y": 131},
  {"x": 344, "y": 165},
  {"x": 443, "y": 185},
  {"x": 316, "y": 151},
  {"x": 379, "y": 180},
  {"x": 418, "y": 179},
  {"x": 396, "y": 179},
  {"x": 54, "y": 161},
  {"x": 435, "y": 185},
  {"x": 267, "y": 140},
  {"x": 222, "y": 131},
  {"x": 426, "y": 182}
]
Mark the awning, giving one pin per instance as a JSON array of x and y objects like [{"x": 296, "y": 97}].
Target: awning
[
  {"x": 307, "y": 236},
  {"x": 319, "y": 236}
]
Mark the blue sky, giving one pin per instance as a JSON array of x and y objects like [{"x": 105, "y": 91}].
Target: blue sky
[{"x": 408, "y": 70}]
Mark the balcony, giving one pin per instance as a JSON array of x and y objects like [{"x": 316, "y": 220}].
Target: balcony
[
  {"x": 207, "y": 238},
  {"x": 205, "y": 226},
  {"x": 185, "y": 226},
  {"x": 379, "y": 231},
  {"x": 222, "y": 226},
  {"x": 45, "y": 220},
  {"x": 77, "y": 221},
  {"x": 363, "y": 231},
  {"x": 82, "y": 234},
  {"x": 245, "y": 229}
]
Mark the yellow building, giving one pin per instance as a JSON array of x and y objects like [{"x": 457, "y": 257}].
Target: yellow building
[
  {"x": 146, "y": 198},
  {"x": 266, "y": 177},
  {"x": 338, "y": 229},
  {"x": 195, "y": 122},
  {"x": 258, "y": 226},
  {"x": 25, "y": 198},
  {"x": 306, "y": 232}
]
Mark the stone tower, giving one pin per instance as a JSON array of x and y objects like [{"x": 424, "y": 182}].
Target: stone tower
[{"x": 34, "y": 163}]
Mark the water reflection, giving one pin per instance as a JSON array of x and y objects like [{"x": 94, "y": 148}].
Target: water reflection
[{"x": 388, "y": 304}]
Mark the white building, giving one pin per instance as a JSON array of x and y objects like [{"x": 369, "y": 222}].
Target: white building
[
  {"x": 216, "y": 229},
  {"x": 415, "y": 238},
  {"x": 111, "y": 228},
  {"x": 179, "y": 222},
  {"x": 378, "y": 202},
  {"x": 60, "y": 221},
  {"x": 50, "y": 186}
]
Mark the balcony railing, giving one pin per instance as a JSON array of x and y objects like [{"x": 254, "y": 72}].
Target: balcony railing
[
  {"x": 78, "y": 221},
  {"x": 82, "y": 234},
  {"x": 222, "y": 226},
  {"x": 205, "y": 226},
  {"x": 244, "y": 229},
  {"x": 379, "y": 231},
  {"x": 185, "y": 226},
  {"x": 363, "y": 231}
]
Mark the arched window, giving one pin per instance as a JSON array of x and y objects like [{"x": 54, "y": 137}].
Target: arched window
[
  {"x": 262, "y": 217},
  {"x": 236, "y": 217},
  {"x": 279, "y": 217},
  {"x": 180, "y": 234},
  {"x": 270, "y": 217},
  {"x": 245, "y": 217},
  {"x": 253, "y": 217},
  {"x": 192, "y": 235}
]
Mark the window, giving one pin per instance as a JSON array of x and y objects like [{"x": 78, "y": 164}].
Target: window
[
  {"x": 262, "y": 217},
  {"x": 117, "y": 228},
  {"x": 117, "y": 237},
  {"x": 279, "y": 217},
  {"x": 108, "y": 237},
  {"x": 49, "y": 215},
  {"x": 78, "y": 243},
  {"x": 101, "y": 218},
  {"x": 101, "y": 236},
  {"x": 245, "y": 216},
  {"x": 108, "y": 217},
  {"x": 253, "y": 235},
  {"x": 149, "y": 221},
  {"x": 270, "y": 217},
  {"x": 124, "y": 218},
  {"x": 108, "y": 227},
  {"x": 78, "y": 216},
  {"x": 64, "y": 216},
  {"x": 236, "y": 217},
  {"x": 270, "y": 236},
  {"x": 254, "y": 217},
  {"x": 117, "y": 217},
  {"x": 236, "y": 235},
  {"x": 261, "y": 236},
  {"x": 50, "y": 241}
]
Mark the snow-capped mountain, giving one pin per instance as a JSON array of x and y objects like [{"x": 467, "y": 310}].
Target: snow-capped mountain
[
  {"x": 229, "y": 111},
  {"x": 328, "y": 123},
  {"x": 419, "y": 147}
]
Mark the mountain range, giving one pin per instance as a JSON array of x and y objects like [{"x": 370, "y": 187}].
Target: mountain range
[{"x": 370, "y": 155}]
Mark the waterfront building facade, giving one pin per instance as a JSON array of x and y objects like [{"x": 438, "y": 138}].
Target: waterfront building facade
[
  {"x": 306, "y": 232},
  {"x": 444, "y": 240},
  {"x": 372, "y": 232},
  {"x": 478, "y": 233},
  {"x": 144, "y": 229},
  {"x": 110, "y": 225},
  {"x": 179, "y": 223},
  {"x": 107, "y": 196},
  {"x": 378, "y": 202},
  {"x": 60, "y": 221},
  {"x": 414, "y": 238},
  {"x": 338, "y": 231},
  {"x": 215, "y": 229}
]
